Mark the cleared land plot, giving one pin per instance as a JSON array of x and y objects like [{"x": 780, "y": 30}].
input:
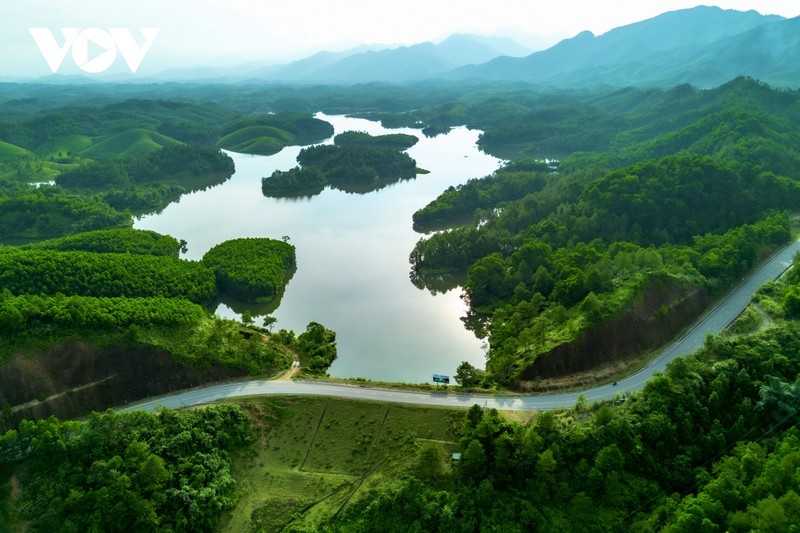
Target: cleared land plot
[{"x": 315, "y": 456}]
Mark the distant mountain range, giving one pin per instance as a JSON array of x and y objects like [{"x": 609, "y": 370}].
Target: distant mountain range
[
  {"x": 366, "y": 64},
  {"x": 703, "y": 46}
]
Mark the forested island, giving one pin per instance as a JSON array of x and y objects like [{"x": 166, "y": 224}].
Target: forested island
[
  {"x": 393, "y": 141},
  {"x": 357, "y": 162}
]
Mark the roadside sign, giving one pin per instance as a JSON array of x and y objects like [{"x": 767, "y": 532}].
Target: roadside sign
[{"x": 439, "y": 378}]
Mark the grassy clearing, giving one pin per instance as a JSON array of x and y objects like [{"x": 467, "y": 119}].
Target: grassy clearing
[
  {"x": 750, "y": 321},
  {"x": 314, "y": 457},
  {"x": 65, "y": 144}
]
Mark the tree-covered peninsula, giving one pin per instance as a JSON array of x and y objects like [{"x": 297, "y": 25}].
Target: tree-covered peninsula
[{"x": 252, "y": 269}]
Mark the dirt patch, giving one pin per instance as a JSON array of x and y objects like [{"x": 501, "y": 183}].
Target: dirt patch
[
  {"x": 662, "y": 310},
  {"x": 72, "y": 379},
  {"x": 15, "y": 488},
  {"x": 289, "y": 374},
  {"x": 601, "y": 374}
]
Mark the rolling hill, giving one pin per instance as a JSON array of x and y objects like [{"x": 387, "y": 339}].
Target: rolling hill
[
  {"x": 132, "y": 142},
  {"x": 268, "y": 134},
  {"x": 10, "y": 151}
]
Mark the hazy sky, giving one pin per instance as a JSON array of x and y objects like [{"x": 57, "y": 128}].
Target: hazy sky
[{"x": 203, "y": 32}]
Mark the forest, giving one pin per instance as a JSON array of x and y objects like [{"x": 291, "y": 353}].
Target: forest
[
  {"x": 394, "y": 141},
  {"x": 150, "y": 182},
  {"x": 251, "y": 269},
  {"x": 710, "y": 444},
  {"x": 167, "y": 471},
  {"x": 29, "y": 213},
  {"x": 361, "y": 165},
  {"x": 607, "y": 196},
  {"x": 116, "y": 241},
  {"x": 268, "y": 134},
  {"x": 50, "y": 272},
  {"x": 553, "y": 251}
]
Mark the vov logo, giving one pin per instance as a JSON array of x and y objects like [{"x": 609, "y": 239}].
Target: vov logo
[{"x": 105, "y": 43}]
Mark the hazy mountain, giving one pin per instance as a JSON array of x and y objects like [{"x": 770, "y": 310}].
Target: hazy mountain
[
  {"x": 678, "y": 46},
  {"x": 704, "y": 46},
  {"x": 405, "y": 63},
  {"x": 261, "y": 69},
  {"x": 770, "y": 52}
]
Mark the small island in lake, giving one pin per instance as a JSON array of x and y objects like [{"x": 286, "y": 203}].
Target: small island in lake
[{"x": 357, "y": 162}]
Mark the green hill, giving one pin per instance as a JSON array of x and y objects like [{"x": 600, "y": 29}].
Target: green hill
[
  {"x": 264, "y": 140},
  {"x": 268, "y": 134},
  {"x": 133, "y": 142},
  {"x": 73, "y": 143},
  {"x": 11, "y": 151}
]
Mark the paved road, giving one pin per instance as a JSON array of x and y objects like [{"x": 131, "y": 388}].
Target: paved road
[{"x": 713, "y": 321}]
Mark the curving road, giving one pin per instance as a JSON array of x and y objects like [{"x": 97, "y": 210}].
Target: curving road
[{"x": 712, "y": 321}]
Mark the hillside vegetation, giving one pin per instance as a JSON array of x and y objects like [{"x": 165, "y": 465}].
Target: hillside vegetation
[
  {"x": 361, "y": 166},
  {"x": 252, "y": 270},
  {"x": 269, "y": 134},
  {"x": 711, "y": 443},
  {"x": 551, "y": 255}
]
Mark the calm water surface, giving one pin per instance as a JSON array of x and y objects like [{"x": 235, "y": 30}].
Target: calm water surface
[{"x": 352, "y": 255}]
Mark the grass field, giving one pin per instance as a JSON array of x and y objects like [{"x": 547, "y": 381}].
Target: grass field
[
  {"x": 316, "y": 456},
  {"x": 11, "y": 151},
  {"x": 64, "y": 145}
]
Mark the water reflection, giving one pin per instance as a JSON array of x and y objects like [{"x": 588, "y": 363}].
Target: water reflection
[{"x": 352, "y": 256}]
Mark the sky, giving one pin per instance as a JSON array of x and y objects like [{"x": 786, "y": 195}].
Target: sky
[{"x": 228, "y": 32}]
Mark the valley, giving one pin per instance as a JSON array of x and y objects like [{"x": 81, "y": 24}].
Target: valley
[{"x": 224, "y": 290}]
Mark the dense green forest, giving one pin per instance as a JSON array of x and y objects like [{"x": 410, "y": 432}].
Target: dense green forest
[
  {"x": 253, "y": 270},
  {"x": 513, "y": 181},
  {"x": 552, "y": 252},
  {"x": 394, "y": 141},
  {"x": 53, "y": 272},
  {"x": 710, "y": 444},
  {"x": 117, "y": 241},
  {"x": 662, "y": 195},
  {"x": 362, "y": 165},
  {"x": 167, "y": 471},
  {"x": 31, "y": 213},
  {"x": 150, "y": 182}
]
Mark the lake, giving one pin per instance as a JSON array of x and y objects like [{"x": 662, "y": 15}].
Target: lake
[{"x": 352, "y": 255}]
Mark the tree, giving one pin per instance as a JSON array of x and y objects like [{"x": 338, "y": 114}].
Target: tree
[
  {"x": 247, "y": 317},
  {"x": 269, "y": 321},
  {"x": 467, "y": 375}
]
